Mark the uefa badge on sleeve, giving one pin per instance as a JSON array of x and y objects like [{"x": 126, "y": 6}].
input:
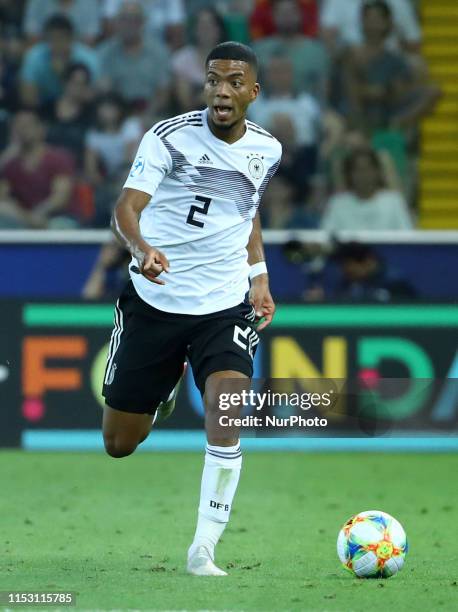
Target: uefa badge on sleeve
[{"x": 138, "y": 166}]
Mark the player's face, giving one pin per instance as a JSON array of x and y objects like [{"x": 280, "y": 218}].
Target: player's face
[{"x": 230, "y": 87}]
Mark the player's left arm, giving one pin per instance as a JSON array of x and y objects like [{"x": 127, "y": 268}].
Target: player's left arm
[{"x": 260, "y": 296}]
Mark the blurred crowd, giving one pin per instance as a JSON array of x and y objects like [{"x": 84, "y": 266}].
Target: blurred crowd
[{"x": 344, "y": 86}]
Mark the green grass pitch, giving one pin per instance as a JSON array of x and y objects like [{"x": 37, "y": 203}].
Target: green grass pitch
[{"x": 116, "y": 531}]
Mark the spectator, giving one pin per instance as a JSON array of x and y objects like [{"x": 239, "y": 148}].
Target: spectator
[
  {"x": 236, "y": 19},
  {"x": 366, "y": 278},
  {"x": 188, "y": 63},
  {"x": 281, "y": 98},
  {"x": 279, "y": 209},
  {"x": 73, "y": 112},
  {"x": 36, "y": 183},
  {"x": 262, "y": 22},
  {"x": 109, "y": 274},
  {"x": 46, "y": 63},
  {"x": 341, "y": 24},
  {"x": 235, "y": 13},
  {"x": 9, "y": 67},
  {"x": 165, "y": 19},
  {"x": 11, "y": 15},
  {"x": 111, "y": 144},
  {"x": 110, "y": 148},
  {"x": 345, "y": 143},
  {"x": 299, "y": 163},
  {"x": 222, "y": 6},
  {"x": 367, "y": 204},
  {"x": 134, "y": 65},
  {"x": 84, "y": 16},
  {"x": 277, "y": 204},
  {"x": 308, "y": 56},
  {"x": 380, "y": 89}
]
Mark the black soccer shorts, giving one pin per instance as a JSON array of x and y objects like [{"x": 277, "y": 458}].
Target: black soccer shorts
[{"x": 148, "y": 348}]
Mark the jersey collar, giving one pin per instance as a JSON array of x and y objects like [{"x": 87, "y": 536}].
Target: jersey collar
[{"x": 223, "y": 142}]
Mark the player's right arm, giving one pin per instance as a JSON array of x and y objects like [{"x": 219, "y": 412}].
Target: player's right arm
[
  {"x": 151, "y": 165},
  {"x": 125, "y": 226}
]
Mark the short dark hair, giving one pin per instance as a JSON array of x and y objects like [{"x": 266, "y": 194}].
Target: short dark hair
[
  {"x": 234, "y": 51},
  {"x": 59, "y": 22}
]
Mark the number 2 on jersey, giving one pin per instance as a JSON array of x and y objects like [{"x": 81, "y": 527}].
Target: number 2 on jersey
[{"x": 203, "y": 210}]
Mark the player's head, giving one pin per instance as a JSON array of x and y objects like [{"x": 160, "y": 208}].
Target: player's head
[{"x": 231, "y": 83}]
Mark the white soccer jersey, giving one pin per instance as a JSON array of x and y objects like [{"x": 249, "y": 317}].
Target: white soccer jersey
[{"x": 204, "y": 195}]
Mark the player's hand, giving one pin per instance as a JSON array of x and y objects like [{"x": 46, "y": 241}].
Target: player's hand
[
  {"x": 262, "y": 301},
  {"x": 154, "y": 263}
]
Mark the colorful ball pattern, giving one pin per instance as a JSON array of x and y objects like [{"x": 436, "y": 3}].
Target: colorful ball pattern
[{"x": 372, "y": 544}]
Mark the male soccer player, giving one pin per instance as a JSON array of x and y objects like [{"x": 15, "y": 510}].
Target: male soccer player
[{"x": 188, "y": 215}]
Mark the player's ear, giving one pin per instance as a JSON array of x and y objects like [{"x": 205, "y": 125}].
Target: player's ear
[{"x": 255, "y": 91}]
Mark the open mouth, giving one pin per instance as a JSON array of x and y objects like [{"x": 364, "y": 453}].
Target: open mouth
[{"x": 222, "y": 112}]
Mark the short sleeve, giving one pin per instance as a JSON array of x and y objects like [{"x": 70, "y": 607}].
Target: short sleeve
[{"x": 152, "y": 163}]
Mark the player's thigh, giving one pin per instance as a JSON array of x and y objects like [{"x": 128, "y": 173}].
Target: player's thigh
[
  {"x": 225, "y": 341},
  {"x": 145, "y": 360},
  {"x": 221, "y": 354}
]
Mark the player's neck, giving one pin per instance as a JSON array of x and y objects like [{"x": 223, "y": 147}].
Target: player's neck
[{"x": 230, "y": 135}]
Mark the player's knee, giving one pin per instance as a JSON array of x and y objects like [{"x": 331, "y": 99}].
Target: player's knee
[{"x": 118, "y": 448}]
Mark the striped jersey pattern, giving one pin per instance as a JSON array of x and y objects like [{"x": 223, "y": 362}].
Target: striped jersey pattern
[{"x": 204, "y": 196}]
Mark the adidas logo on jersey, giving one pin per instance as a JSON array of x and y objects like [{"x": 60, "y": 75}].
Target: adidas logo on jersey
[{"x": 205, "y": 160}]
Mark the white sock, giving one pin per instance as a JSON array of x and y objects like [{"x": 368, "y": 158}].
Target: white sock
[{"x": 219, "y": 483}]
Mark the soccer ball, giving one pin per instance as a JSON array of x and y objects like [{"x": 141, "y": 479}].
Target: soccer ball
[{"x": 372, "y": 544}]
